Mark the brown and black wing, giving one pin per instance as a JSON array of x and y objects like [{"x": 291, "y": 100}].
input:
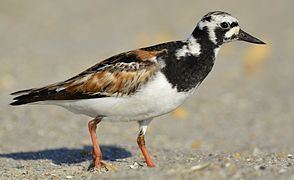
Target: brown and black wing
[{"x": 119, "y": 75}]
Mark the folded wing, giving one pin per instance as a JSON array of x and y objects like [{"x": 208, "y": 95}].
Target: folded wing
[{"x": 119, "y": 75}]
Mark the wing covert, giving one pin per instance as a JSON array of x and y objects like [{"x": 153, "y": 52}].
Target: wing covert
[{"x": 119, "y": 75}]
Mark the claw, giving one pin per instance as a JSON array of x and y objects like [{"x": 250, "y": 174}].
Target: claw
[{"x": 102, "y": 165}]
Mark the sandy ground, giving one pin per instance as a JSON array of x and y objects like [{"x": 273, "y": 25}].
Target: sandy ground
[{"x": 238, "y": 125}]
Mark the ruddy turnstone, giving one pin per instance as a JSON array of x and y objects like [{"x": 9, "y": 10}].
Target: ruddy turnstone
[{"x": 141, "y": 84}]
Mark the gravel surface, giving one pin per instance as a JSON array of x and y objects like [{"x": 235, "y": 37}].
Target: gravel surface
[{"x": 238, "y": 125}]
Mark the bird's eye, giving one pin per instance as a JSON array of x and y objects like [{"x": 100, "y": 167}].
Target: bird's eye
[{"x": 224, "y": 25}]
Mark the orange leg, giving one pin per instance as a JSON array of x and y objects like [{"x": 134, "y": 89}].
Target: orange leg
[
  {"x": 141, "y": 143},
  {"x": 97, "y": 155}
]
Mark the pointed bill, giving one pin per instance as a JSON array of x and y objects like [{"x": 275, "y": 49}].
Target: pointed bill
[{"x": 243, "y": 36}]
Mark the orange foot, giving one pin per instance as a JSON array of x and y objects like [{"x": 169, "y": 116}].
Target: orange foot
[{"x": 150, "y": 164}]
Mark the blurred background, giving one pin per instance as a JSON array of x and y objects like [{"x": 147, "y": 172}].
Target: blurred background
[{"x": 245, "y": 105}]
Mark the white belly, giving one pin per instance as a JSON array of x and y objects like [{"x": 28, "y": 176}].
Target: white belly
[{"x": 156, "y": 98}]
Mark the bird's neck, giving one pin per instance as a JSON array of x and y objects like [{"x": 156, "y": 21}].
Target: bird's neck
[
  {"x": 193, "y": 60},
  {"x": 203, "y": 37}
]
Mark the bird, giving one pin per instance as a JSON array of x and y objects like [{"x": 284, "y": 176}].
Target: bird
[{"x": 141, "y": 84}]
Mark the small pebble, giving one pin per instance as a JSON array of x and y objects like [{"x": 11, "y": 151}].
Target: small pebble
[
  {"x": 262, "y": 167},
  {"x": 134, "y": 166},
  {"x": 200, "y": 166},
  {"x": 290, "y": 156},
  {"x": 68, "y": 177},
  {"x": 227, "y": 164}
]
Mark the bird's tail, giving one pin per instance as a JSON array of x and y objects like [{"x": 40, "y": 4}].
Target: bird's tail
[{"x": 24, "y": 97}]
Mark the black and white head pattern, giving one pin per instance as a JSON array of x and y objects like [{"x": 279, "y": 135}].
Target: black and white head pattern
[{"x": 221, "y": 27}]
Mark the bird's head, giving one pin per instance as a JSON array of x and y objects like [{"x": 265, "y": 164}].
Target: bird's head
[{"x": 221, "y": 27}]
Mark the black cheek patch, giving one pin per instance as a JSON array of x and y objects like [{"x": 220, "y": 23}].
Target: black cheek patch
[{"x": 219, "y": 34}]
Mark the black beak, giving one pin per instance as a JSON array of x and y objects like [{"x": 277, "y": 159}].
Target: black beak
[{"x": 243, "y": 36}]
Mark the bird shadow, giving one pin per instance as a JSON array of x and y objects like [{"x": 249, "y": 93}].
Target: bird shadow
[{"x": 70, "y": 156}]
